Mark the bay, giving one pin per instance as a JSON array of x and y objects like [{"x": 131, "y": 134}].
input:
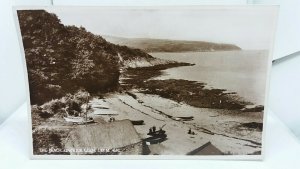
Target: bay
[{"x": 243, "y": 72}]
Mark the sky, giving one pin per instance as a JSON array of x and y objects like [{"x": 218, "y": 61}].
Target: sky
[{"x": 248, "y": 28}]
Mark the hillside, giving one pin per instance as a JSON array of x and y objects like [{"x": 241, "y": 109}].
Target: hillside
[
  {"x": 63, "y": 59},
  {"x": 166, "y": 45}
]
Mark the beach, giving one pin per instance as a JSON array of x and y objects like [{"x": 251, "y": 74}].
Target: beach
[
  {"x": 224, "y": 129},
  {"x": 191, "y": 113}
]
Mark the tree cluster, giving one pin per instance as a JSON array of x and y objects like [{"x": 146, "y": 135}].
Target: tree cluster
[{"x": 63, "y": 59}]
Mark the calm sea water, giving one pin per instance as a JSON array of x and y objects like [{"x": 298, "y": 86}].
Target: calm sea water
[{"x": 244, "y": 72}]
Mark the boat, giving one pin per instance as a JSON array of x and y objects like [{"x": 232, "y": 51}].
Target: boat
[
  {"x": 184, "y": 118},
  {"x": 154, "y": 140},
  {"x": 158, "y": 134},
  {"x": 253, "y": 108},
  {"x": 105, "y": 112},
  {"x": 78, "y": 120},
  {"x": 137, "y": 122},
  {"x": 100, "y": 107}
]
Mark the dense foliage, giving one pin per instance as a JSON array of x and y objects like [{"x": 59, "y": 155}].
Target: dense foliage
[
  {"x": 70, "y": 104},
  {"x": 62, "y": 59}
]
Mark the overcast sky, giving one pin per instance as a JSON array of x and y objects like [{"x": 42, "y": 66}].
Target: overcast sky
[{"x": 249, "y": 28}]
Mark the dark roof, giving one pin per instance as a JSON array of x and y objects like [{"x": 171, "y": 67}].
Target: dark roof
[
  {"x": 108, "y": 135},
  {"x": 206, "y": 149}
]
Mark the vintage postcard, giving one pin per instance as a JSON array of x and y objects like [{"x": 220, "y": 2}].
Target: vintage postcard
[{"x": 147, "y": 82}]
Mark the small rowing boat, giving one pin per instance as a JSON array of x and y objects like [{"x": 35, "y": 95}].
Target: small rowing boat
[
  {"x": 78, "y": 120},
  {"x": 184, "y": 118},
  {"x": 137, "y": 122},
  {"x": 105, "y": 112}
]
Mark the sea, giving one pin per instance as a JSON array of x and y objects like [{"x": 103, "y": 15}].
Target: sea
[{"x": 243, "y": 72}]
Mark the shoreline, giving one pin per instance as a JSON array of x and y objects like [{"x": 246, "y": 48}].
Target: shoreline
[
  {"x": 191, "y": 92},
  {"x": 159, "y": 102},
  {"x": 228, "y": 136}
]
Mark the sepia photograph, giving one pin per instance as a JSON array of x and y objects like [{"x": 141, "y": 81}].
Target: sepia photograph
[{"x": 166, "y": 81}]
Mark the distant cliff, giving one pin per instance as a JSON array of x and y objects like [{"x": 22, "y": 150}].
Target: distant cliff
[{"x": 165, "y": 45}]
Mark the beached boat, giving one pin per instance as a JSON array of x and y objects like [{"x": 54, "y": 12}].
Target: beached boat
[
  {"x": 154, "y": 140},
  {"x": 159, "y": 133},
  {"x": 184, "y": 118},
  {"x": 105, "y": 112},
  {"x": 79, "y": 120},
  {"x": 137, "y": 122},
  {"x": 100, "y": 106}
]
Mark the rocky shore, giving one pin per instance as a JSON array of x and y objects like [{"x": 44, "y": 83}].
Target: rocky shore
[{"x": 219, "y": 117}]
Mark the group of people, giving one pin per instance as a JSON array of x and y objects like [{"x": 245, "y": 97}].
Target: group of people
[
  {"x": 112, "y": 119},
  {"x": 191, "y": 132},
  {"x": 152, "y": 130}
]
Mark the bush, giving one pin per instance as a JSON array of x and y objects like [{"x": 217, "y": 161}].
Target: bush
[
  {"x": 70, "y": 103},
  {"x": 62, "y": 59},
  {"x": 82, "y": 96},
  {"x": 45, "y": 140},
  {"x": 36, "y": 115},
  {"x": 53, "y": 106}
]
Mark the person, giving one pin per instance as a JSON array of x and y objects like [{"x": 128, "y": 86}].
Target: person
[
  {"x": 67, "y": 110},
  {"x": 84, "y": 108},
  {"x": 190, "y": 131},
  {"x": 154, "y": 128}
]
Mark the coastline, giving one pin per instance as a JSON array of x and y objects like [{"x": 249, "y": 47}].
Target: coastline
[
  {"x": 158, "y": 103},
  {"x": 224, "y": 129}
]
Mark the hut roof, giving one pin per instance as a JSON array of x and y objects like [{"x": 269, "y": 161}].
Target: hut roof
[
  {"x": 206, "y": 149},
  {"x": 103, "y": 136}
]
